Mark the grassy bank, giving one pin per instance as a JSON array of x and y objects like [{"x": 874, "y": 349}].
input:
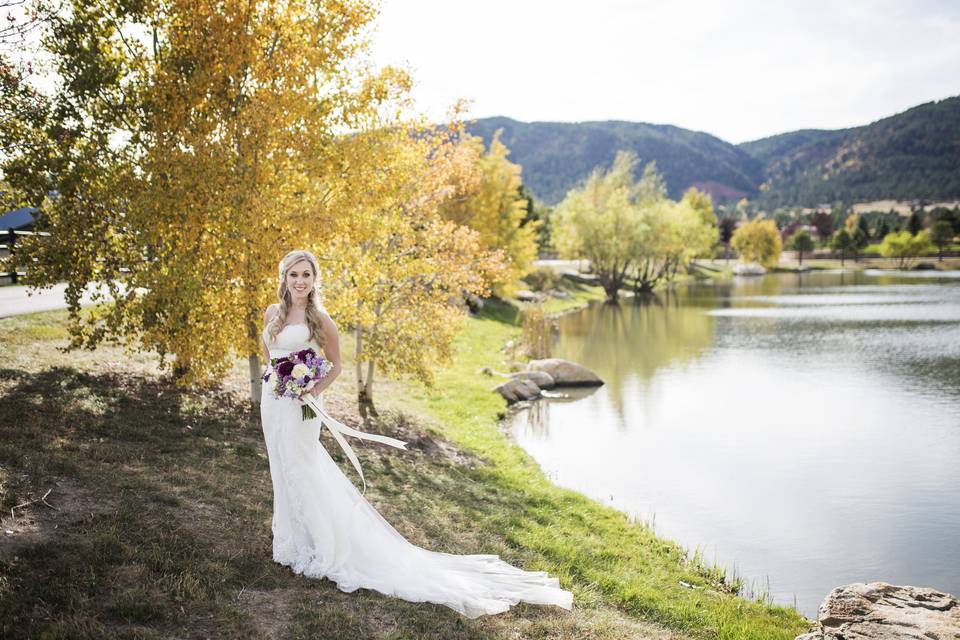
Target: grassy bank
[{"x": 148, "y": 510}]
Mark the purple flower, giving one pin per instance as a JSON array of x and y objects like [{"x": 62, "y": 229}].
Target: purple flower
[{"x": 284, "y": 368}]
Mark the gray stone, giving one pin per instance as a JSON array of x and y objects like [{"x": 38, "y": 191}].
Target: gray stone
[
  {"x": 540, "y": 378},
  {"x": 517, "y": 389},
  {"x": 881, "y": 611},
  {"x": 565, "y": 372}
]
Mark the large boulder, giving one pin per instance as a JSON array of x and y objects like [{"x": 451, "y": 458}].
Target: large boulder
[
  {"x": 540, "y": 378},
  {"x": 890, "y": 612},
  {"x": 517, "y": 389},
  {"x": 565, "y": 372}
]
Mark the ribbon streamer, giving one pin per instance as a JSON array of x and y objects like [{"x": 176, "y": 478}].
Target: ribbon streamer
[{"x": 338, "y": 429}]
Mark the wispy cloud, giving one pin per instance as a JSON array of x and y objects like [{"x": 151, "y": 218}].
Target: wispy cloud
[{"x": 738, "y": 70}]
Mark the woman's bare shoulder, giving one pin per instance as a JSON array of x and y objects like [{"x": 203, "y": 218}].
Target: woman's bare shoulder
[{"x": 270, "y": 312}]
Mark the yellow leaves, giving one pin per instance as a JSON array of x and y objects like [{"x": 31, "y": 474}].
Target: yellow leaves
[
  {"x": 484, "y": 194},
  {"x": 758, "y": 241}
]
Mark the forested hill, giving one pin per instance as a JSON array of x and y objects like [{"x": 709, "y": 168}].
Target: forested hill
[
  {"x": 556, "y": 156},
  {"x": 908, "y": 156}
]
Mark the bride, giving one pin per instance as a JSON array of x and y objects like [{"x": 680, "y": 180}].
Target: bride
[{"x": 323, "y": 527}]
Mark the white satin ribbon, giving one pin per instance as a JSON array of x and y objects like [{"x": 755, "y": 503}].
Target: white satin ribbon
[{"x": 338, "y": 429}]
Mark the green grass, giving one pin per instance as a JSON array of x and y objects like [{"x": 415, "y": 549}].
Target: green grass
[
  {"x": 598, "y": 551},
  {"x": 160, "y": 508}
]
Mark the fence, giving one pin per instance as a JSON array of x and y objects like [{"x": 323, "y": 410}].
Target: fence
[{"x": 9, "y": 248}]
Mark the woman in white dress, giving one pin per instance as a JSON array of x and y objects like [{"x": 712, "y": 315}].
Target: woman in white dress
[{"x": 323, "y": 527}]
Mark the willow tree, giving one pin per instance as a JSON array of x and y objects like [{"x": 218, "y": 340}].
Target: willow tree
[
  {"x": 395, "y": 270},
  {"x": 184, "y": 146},
  {"x": 491, "y": 201},
  {"x": 600, "y": 221}
]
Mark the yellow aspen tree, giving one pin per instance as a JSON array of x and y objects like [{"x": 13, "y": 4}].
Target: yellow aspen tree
[
  {"x": 396, "y": 270},
  {"x": 492, "y": 204},
  {"x": 758, "y": 241},
  {"x": 187, "y": 151}
]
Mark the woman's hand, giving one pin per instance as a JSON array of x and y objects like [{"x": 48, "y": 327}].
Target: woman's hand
[{"x": 313, "y": 390}]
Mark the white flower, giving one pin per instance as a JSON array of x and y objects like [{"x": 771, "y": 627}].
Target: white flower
[{"x": 300, "y": 370}]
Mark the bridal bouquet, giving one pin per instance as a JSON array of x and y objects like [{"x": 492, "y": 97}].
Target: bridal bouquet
[{"x": 297, "y": 372}]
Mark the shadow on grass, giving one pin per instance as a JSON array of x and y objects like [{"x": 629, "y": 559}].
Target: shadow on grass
[{"x": 162, "y": 523}]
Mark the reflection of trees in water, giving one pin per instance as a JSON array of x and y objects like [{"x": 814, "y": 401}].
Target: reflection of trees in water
[
  {"x": 632, "y": 341},
  {"x": 537, "y": 416}
]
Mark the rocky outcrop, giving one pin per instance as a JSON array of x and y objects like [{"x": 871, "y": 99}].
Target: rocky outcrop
[
  {"x": 881, "y": 611},
  {"x": 565, "y": 372},
  {"x": 517, "y": 389},
  {"x": 542, "y": 374},
  {"x": 540, "y": 378}
]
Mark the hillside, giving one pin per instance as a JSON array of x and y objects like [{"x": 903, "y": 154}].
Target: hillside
[
  {"x": 556, "y": 156},
  {"x": 913, "y": 155}
]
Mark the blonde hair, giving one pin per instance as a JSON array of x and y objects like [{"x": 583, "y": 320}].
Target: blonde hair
[{"x": 314, "y": 305}]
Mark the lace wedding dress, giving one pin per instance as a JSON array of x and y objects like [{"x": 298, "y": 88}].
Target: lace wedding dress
[{"x": 323, "y": 527}]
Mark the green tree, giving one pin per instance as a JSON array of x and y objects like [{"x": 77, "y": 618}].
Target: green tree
[
  {"x": 941, "y": 234},
  {"x": 600, "y": 221},
  {"x": 915, "y": 223},
  {"x": 801, "y": 242},
  {"x": 758, "y": 241},
  {"x": 842, "y": 241},
  {"x": 727, "y": 225},
  {"x": 883, "y": 229},
  {"x": 861, "y": 240},
  {"x": 630, "y": 229},
  {"x": 905, "y": 247}
]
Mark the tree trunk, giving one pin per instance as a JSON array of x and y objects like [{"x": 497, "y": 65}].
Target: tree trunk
[
  {"x": 253, "y": 361},
  {"x": 256, "y": 383},
  {"x": 368, "y": 390},
  {"x": 612, "y": 291}
]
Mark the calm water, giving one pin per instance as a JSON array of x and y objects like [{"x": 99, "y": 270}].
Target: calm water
[{"x": 802, "y": 430}]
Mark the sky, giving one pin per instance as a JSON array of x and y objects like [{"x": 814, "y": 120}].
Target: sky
[{"x": 739, "y": 70}]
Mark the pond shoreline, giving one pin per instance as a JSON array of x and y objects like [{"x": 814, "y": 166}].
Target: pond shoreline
[{"x": 555, "y": 445}]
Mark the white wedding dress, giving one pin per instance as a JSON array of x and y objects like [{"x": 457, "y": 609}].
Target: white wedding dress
[{"x": 323, "y": 527}]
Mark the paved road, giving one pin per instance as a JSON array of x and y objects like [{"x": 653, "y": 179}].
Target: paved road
[{"x": 18, "y": 299}]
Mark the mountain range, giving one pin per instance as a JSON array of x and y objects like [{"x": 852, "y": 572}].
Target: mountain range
[{"x": 913, "y": 155}]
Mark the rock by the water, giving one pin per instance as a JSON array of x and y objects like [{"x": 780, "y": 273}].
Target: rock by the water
[
  {"x": 565, "y": 372},
  {"x": 525, "y": 295},
  {"x": 540, "y": 378},
  {"x": 884, "y": 611},
  {"x": 748, "y": 269},
  {"x": 517, "y": 389}
]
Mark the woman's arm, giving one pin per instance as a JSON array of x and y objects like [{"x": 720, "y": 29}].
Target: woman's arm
[
  {"x": 266, "y": 320},
  {"x": 331, "y": 349}
]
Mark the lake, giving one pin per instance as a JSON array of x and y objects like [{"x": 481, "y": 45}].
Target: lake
[{"x": 802, "y": 431}]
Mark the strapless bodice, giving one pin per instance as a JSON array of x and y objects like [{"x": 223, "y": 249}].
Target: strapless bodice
[{"x": 292, "y": 337}]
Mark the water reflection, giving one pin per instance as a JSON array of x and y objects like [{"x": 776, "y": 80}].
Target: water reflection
[{"x": 803, "y": 428}]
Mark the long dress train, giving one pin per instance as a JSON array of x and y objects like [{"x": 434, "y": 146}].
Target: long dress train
[{"x": 323, "y": 527}]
